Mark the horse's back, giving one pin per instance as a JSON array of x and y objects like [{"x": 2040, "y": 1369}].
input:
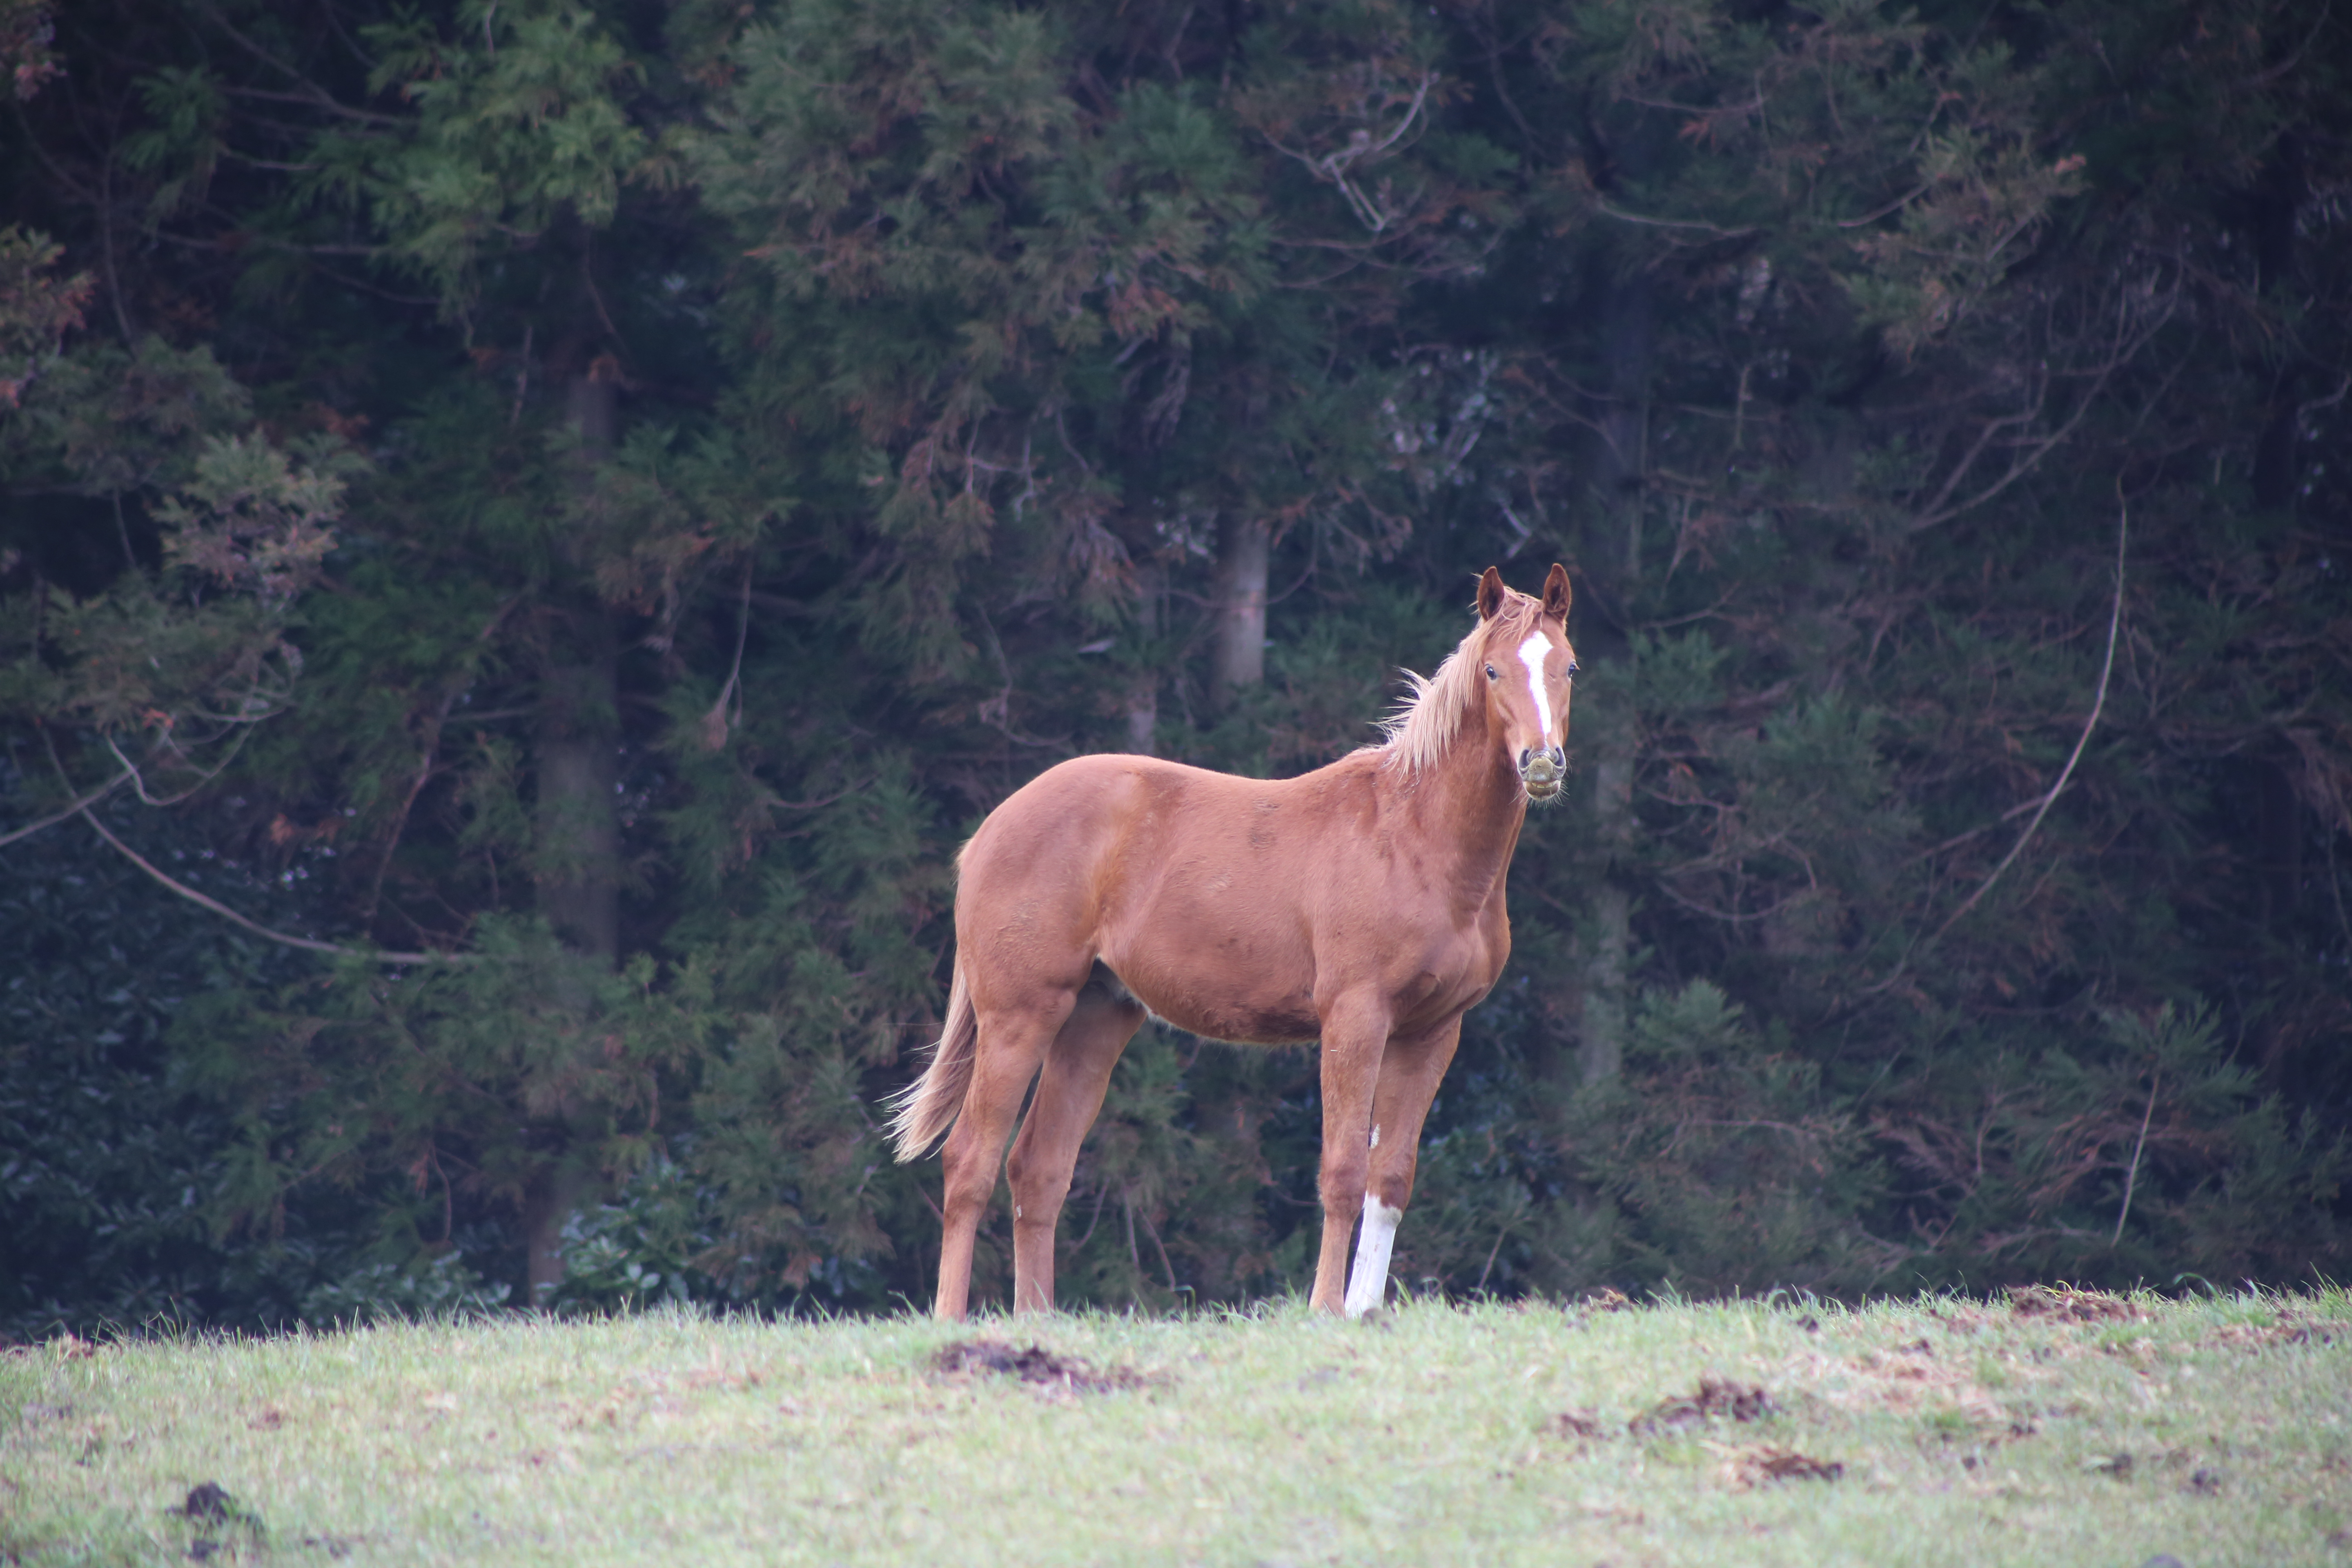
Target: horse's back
[
  {"x": 1200, "y": 889},
  {"x": 1138, "y": 812}
]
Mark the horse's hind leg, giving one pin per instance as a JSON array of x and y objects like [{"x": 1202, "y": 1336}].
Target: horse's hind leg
[
  {"x": 1069, "y": 1096},
  {"x": 1011, "y": 1044}
]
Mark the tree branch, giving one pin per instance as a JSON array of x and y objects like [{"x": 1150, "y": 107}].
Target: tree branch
[
  {"x": 222, "y": 910},
  {"x": 2131, "y": 1177},
  {"x": 100, "y": 792},
  {"x": 2106, "y": 668}
]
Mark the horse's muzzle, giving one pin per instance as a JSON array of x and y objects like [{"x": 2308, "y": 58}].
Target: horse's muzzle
[{"x": 1543, "y": 771}]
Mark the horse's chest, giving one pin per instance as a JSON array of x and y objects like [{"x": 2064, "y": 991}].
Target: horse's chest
[{"x": 1464, "y": 967}]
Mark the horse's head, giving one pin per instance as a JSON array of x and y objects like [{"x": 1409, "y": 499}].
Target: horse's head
[{"x": 1529, "y": 669}]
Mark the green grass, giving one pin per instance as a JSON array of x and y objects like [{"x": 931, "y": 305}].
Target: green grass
[{"x": 2217, "y": 1431}]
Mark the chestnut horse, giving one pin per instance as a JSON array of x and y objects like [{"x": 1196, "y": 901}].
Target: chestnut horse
[{"x": 1360, "y": 904}]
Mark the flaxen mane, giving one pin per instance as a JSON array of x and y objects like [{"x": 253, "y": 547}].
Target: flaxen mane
[{"x": 1423, "y": 725}]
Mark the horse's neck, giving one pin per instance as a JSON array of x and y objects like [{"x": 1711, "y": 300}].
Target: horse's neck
[{"x": 1471, "y": 805}]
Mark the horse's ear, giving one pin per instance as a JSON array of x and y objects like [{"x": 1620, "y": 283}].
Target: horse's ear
[
  {"x": 1556, "y": 594},
  {"x": 1490, "y": 593}
]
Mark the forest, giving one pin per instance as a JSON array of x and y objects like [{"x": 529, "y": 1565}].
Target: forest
[{"x": 533, "y": 528}]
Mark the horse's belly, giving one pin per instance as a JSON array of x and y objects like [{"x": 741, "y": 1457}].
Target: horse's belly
[
  {"x": 1228, "y": 984},
  {"x": 1221, "y": 1018}
]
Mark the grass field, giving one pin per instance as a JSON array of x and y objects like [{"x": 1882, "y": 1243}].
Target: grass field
[{"x": 2057, "y": 1428}]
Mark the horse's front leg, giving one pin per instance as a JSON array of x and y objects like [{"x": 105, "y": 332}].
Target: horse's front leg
[
  {"x": 1411, "y": 1070},
  {"x": 1355, "y": 1037}
]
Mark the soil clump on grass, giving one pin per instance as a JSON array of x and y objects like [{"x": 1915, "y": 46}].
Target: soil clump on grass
[
  {"x": 1788, "y": 1465},
  {"x": 2066, "y": 1304},
  {"x": 1036, "y": 1365},
  {"x": 1716, "y": 1397}
]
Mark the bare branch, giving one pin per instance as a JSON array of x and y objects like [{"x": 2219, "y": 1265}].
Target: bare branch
[
  {"x": 216, "y": 907},
  {"x": 1332, "y": 167},
  {"x": 1621, "y": 216},
  {"x": 2125, "y": 344},
  {"x": 75, "y": 809},
  {"x": 2098, "y": 703},
  {"x": 312, "y": 93},
  {"x": 2131, "y": 1177}
]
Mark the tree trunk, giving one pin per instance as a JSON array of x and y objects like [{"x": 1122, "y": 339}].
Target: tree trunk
[
  {"x": 1242, "y": 547},
  {"x": 579, "y": 777},
  {"x": 1142, "y": 719},
  {"x": 579, "y": 716},
  {"x": 1143, "y": 696},
  {"x": 1600, "y": 1035},
  {"x": 2279, "y": 192},
  {"x": 578, "y": 822},
  {"x": 1628, "y": 349}
]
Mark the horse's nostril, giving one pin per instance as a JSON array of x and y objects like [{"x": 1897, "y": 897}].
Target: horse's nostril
[{"x": 1559, "y": 758}]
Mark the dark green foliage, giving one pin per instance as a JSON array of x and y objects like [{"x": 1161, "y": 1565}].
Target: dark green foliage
[
  {"x": 124, "y": 1155},
  {"x": 466, "y": 462},
  {"x": 641, "y": 1248}
]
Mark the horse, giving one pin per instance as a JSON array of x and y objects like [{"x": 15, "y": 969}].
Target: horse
[{"x": 1362, "y": 904}]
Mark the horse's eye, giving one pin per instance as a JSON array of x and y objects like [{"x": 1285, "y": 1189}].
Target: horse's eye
[
  {"x": 1491, "y": 675},
  {"x": 1573, "y": 667}
]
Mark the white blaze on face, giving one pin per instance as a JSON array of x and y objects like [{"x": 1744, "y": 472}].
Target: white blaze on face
[
  {"x": 1368, "y": 1281},
  {"x": 1531, "y": 654}
]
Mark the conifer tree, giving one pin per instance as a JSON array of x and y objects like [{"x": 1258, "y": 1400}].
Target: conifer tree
[{"x": 567, "y": 512}]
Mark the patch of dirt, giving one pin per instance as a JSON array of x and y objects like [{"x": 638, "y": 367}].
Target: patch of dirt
[
  {"x": 642, "y": 1394},
  {"x": 1716, "y": 1397},
  {"x": 1788, "y": 1465},
  {"x": 1908, "y": 1379},
  {"x": 211, "y": 1511},
  {"x": 208, "y": 1502},
  {"x": 1579, "y": 1425},
  {"x": 2290, "y": 1328},
  {"x": 713, "y": 1375},
  {"x": 1035, "y": 1365},
  {"x": 68, "y": 1346},
  {"x": 2066, "y": 1304}
]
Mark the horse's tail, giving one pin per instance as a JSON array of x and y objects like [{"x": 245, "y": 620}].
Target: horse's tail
[{"x": 922, "y": 1112}]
